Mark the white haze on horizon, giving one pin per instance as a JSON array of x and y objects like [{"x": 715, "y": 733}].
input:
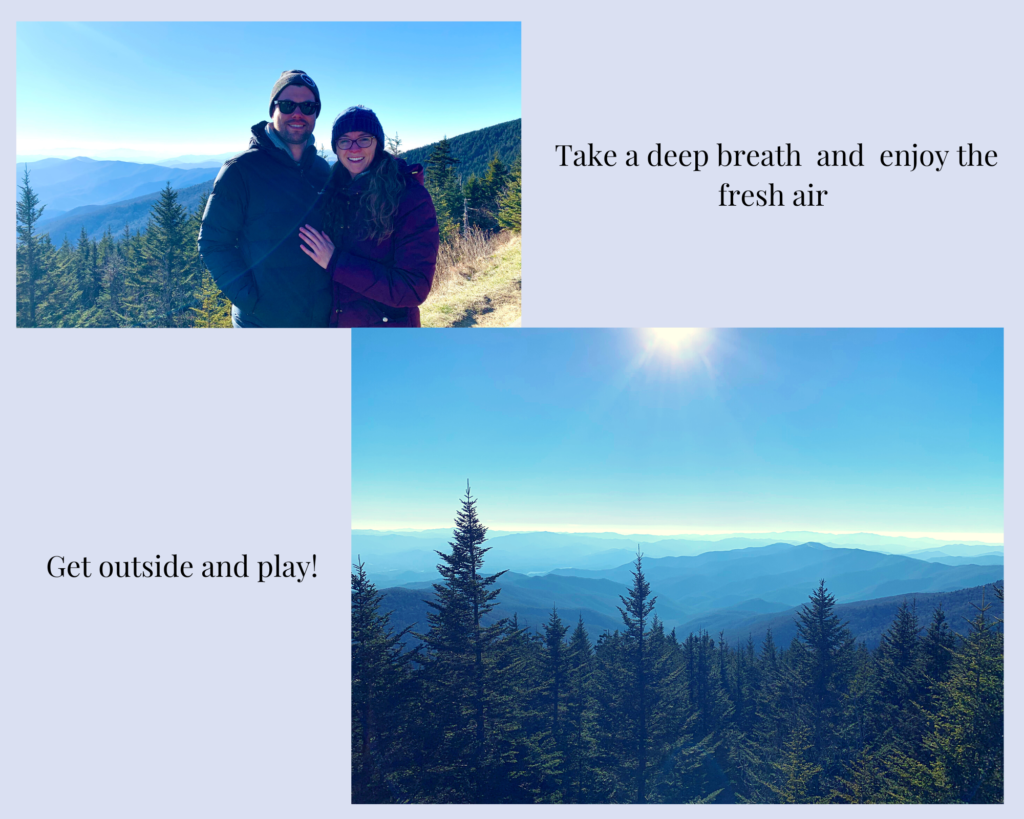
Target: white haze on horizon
[{"x": 904, "y": 540}]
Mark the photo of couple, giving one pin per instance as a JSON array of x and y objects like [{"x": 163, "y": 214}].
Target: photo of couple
[
  {"x": 293, "y": 242},
  {"x": 317, "y": 188}
]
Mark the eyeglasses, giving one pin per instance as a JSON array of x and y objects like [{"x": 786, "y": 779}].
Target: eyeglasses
[
  {"x": 288, "y": 106},
  {"x": 362, "y": 142}
]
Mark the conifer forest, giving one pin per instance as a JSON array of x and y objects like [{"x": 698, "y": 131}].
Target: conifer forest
[
  {"x": 151, "y": 278},
  {"x": 459, "y": 710}
]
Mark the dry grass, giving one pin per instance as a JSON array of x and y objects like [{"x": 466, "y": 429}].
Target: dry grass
[
  {"x": 478, "y": 283},
  {"x": 459, "y": 260}
]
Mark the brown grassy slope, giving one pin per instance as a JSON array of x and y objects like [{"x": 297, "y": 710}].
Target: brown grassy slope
[{"x": 478, "y": 283}]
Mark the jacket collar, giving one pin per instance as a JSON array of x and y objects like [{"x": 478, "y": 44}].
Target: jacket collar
[{"x": 262, "y": 140}]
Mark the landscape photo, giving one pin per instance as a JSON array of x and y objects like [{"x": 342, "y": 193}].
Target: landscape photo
[
  {"x": 122, "y": 129},
  {"x": 678, "y": 566}
]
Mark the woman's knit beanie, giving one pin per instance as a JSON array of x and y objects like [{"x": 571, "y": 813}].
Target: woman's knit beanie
[{"x": 357, "y": 118}]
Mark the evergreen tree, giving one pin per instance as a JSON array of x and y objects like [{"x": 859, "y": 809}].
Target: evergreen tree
[
  {"x": 394, "y": 145},
  {"x": 798, "y": 768},
  {"x": 167, "y": 262},
  {"x": 937, "y": 649},
  {"x": 510, "y": 203},
  {"x": 580, "y": 747},
  {"x": 74, "y": 286},
  {"x": 445, "y": 189},
  {"x": 483, "y": 194},
  {"x": 885, "y": 710},
  {"x": 475, "y": 197},
  {"x": 441, "y": 161},
  {"x": 86, "y": 271},
  {"x": 707, "y": 714},
  {"x": 555, "y": 671},
  {"x": 110, "y": 304},
  {"x": 899, "y": 682},
  {"x": 60, "y": 300},
  {"x": 739, "y": 752},
  {"x": 635, "y": 611},
  {"x": 213, "y": 309},
  {"x": 194, "y": 261},
  {"x": 103, "y": 250},
  {"x": 769, "y": 714},
  {"x": 705, "y": 689},
  {"x": 966, "y": 741},
  {"x": 523, "y": 765},
  {"x": 379, "y": 680},
  {"x": 461, "y": 648},
  {"x": 824, "y": 664},
  {"x": 495, "y": 181},
  {"x": 135, "y": 303},
  {"x": 678, "y": 769},
  {"x": 761, "y": 758},
  {"x": 30, "y": 269},
  {"x": 638, "y": 697}
]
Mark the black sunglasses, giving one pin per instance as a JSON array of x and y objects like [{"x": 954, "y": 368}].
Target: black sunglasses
[{"x": 287, "y": 106}]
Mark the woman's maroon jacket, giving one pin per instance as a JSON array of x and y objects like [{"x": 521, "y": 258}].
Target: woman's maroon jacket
[{"x": 383, "y": 285}]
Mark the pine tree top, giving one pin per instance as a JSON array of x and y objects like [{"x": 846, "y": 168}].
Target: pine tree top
[{"x": 636, "y": 608}]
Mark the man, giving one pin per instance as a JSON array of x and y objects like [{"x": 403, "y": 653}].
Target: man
[{"x": 250, "y": 234}]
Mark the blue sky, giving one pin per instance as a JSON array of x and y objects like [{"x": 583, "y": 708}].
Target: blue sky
[
  {"x": 171, "y": 89},
  {"x": 886, "y": 431}
]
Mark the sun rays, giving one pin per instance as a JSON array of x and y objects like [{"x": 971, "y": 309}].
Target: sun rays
[{"x": 676, "y": 349}]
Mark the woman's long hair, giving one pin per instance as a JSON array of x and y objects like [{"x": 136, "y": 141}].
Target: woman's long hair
[{"x": 377, "y": 205}]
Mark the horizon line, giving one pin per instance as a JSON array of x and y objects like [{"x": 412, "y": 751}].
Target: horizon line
[
  {"x": 187, "y": 148},
  {"x": 665, "y": 532}
]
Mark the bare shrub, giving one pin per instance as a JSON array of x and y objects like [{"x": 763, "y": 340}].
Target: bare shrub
[{"x": 462, "y": 257}]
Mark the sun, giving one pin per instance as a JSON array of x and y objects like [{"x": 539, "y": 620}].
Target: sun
[
  {"x": 676, "y": 349},
  {"x": 676, "y": 339}
]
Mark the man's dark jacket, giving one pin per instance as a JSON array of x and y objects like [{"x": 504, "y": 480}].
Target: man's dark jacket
[{"x": 250, "y": 235}]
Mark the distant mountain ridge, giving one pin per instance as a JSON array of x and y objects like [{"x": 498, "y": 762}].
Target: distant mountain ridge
[
  {"x": 531, "y": 599},
  {"x": 63, "y": 185},
  {"x": 784, "y": 573},
  {"x": 866, "y": 619},
  {"x": 716, "y": 588},
  {"x": 395, "y": 557},
  {"x": 186, "y": 161},
  {"x": 134, "y": 213}
]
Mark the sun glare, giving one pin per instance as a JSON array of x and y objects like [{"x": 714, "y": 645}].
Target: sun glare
[
  {"x": 676, "y": 338},
  {"x": 676, "y": 347}
]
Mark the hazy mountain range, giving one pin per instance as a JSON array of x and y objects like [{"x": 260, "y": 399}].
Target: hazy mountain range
[
  {"x": 740, "y": 584},
  {"x": 64, "y": 184},
  {"x": 866, "y": 619},
  {"x": 140, "y": 157},
  {"x": 395, "y": 557},
  {"x": 97, "y": 219}
]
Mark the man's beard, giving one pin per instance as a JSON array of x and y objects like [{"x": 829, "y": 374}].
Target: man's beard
[{"x": 294, "y": 137}]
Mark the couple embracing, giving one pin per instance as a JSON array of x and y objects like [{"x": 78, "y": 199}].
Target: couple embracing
[{"x": 293, "y": 242}]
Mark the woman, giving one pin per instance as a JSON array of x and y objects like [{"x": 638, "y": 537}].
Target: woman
[{"x": 379, "y": 230}]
